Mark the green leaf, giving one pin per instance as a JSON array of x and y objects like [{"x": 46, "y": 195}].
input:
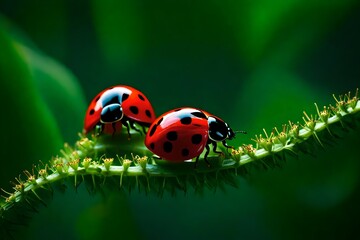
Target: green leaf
[
  {"x": 29, "y": 131},
  {"x": 59, "y": 90},
  {"x": 43, "y": 102}
]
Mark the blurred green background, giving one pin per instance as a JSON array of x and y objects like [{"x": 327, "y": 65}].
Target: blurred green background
[{"x": 256, "y": 64}]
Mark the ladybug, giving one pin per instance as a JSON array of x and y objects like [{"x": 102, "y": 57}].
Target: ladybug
[
  {"x": 116, "y": 106},
  {"x": 183, "y": 133}
]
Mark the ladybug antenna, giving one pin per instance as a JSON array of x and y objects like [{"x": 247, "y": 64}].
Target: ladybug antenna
[{"x": 240, "y": 131}]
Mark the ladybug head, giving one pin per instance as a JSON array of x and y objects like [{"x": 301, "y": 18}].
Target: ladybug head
[
  {"x": 219, "y": 130},
  {"x": 111, "y": 113}
]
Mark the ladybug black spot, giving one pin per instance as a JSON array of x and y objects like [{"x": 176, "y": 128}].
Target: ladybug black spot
[
  {"x": 167, "y": 147},
  {"x": 141, "y": 97},
  {"x": 185, "y": 152},
  {"x": 148, "y": 113},
  {"x": 124, "y": 97},
  {"x": 172, "y": 135},
  {"x": 92, "y": 111},
  {"x": 199, "y": 114},
  {"x": 152, "y": 130},
  {"x": 152, "y": 146},
  {"x": 160, "y": 120},
  {"x": 196, "y": 138},
  {"x": 178, "y": 109},
  {"x": 134, "y": 109},
  {"x": 97, "y": 98},
  {"x": 185, "y": 120}
]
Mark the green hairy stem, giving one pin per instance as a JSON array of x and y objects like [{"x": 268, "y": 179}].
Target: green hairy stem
[{"x": 95, "y": 161}]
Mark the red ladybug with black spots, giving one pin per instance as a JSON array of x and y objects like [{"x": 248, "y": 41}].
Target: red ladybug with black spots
[
  {"x": 116, "y": 106},
  {"x": 184, "y": 133}
]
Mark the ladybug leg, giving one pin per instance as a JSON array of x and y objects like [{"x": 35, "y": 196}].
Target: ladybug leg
[
  {"x": 126, "y": 123},
  {"x": 134, "y": 127},
  {"x": 144, "y": 131},
  {"x": 130, "y": 124},
  {"x": 206, "y": 154},
  {"x": 114, "y": 128},
  {"x": 226, "y": 145},
  {"x": 214, "y": 148},
  {"x": 205, "y": 157},
  {"x": 196, "y": 161}
]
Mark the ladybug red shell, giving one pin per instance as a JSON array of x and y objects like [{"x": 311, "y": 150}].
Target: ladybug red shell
[
  {"x": 116, "y": 106},
  {"x": 183, "y": 133}
]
